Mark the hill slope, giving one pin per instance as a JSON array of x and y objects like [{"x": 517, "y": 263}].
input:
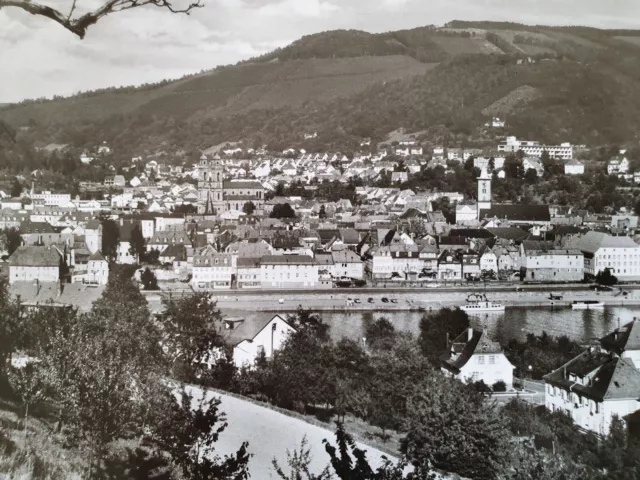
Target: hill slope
[{"x": 553, "y": 84}]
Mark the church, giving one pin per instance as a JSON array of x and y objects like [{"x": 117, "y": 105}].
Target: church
[
  {"x": 217, "y": 195},
  {"x": 513, "y": 213}
]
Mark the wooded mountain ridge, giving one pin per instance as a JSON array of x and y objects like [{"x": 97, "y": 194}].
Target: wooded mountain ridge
[{"x": 552, "y": 84}]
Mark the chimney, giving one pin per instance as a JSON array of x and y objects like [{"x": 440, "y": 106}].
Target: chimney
[{"x": 469, "y": 334}]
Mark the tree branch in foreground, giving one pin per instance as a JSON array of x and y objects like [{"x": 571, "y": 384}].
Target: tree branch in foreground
[{"x": 80, "y": 24}]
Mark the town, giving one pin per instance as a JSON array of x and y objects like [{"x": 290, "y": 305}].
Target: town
[{"x": 229, "y": 222}]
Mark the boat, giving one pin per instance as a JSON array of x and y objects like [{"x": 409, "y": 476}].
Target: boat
[
  {"x": 586, "y": 304},
  {"x": 480, "y": 303}
]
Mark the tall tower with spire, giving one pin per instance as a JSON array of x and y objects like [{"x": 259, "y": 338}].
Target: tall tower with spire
[
  {"x": 484, "y": 191},
  {"x": 210, "y": 185}
]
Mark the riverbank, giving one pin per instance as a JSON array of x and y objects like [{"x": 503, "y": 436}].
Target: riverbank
[{"x": 373, "y": 300}]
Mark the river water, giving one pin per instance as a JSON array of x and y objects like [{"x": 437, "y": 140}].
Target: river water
[{"x": 516, "y": 322}]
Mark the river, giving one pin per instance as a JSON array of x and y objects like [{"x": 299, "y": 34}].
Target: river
[{"x": 515, "y": 322}]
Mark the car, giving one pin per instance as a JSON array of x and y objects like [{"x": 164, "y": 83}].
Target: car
[
  {"x": 394, "y": 300},
  {"x": 356, "y": 300},
  {"x": 384, "y": 300},
  {"x": 370, "y": 300}
]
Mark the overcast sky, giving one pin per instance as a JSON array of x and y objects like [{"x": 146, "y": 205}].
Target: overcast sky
[{"x": 39, "y": 58}]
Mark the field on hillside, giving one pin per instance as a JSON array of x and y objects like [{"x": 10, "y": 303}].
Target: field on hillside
[
  {"x": 517, "y": 97},
  {"x": 632, "y": 40},
  {"x": 533, "y": 49},
  {"x": 465, "y": 45}
]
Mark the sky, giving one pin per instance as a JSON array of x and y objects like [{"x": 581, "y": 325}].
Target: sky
[{"x": 39, "y": 58}]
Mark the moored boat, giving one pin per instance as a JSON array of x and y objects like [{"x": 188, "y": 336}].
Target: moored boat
[
  {"x": 587, "y": 304},
  {"x": 480, "y": 303}
]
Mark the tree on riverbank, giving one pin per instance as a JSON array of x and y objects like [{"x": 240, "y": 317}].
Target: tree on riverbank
[{"x": 439, "y": 328}]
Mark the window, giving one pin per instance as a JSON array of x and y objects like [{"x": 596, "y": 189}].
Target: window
[
  {"x": 492, "y": 359},
  {"x": 481, "y": 359}
]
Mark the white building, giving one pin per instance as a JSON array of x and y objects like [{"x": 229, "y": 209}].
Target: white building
[
  {"x": 564, "y": 151},
  {"x": 474, "y": 357},
  {"x": 489, "y": 261},
  {"x": 288, "y": 271},
  {"x": 466, "y": 213},
  {"x": 213, "y": 272},
  {"x": 249, "y": 275},
  {"x": 592, "y": 388},
  {"x": 618, "y": 164},
  {"x": 347, "y": 263},
  {"x": 621, "y": 255},
  {"x": 252, "y": 337},
  {"x": 573, "y": 167},
  {"x": 52, "y": 199},
  {"x": 93, "y": 236},
  {"x": 97, "y": 269},
  {"x": 31, "y": 263},
  {"x": 395, "y": 260}
]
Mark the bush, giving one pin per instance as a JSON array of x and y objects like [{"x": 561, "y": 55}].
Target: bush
[{"x": 499, "y": 386}]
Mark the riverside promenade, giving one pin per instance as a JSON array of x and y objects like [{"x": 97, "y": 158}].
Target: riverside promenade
[{"x": 400, "y": 299}]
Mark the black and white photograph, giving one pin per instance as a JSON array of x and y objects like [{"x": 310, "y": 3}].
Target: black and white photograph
[{"x": 319, "y": 240}]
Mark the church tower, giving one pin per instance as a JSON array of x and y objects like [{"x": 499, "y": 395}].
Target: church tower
[
  {"x": 484, "y": 191},
  {"x": 210, "y": 186}
]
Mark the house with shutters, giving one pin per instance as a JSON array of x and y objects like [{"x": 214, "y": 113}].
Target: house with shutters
[
  {"x": 474, "y": 357},
  {"x": 593, "y": 387}
]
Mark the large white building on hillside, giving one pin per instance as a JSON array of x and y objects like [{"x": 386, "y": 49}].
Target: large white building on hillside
[
  {"x": 35, "y": 263},
  {"x": 564, "y": 151}
]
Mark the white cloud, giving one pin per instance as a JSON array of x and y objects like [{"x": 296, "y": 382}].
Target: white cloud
[{"x": 149, "y": 44}]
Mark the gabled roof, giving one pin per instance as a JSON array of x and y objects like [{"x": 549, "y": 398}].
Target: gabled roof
[
  {"x": 248, "y": 329},
  {"x": 624, "y": 338},
  {"x": 35, "y": 227},
  {"x": 33, "y": 256},
  {"x": 607, "y": 377},
  {"x": 471, "y": 233},
  {"x": 97, "y": 257},
  {"x": 463, "y": 348},
  {"x": 510, "y": 233}
]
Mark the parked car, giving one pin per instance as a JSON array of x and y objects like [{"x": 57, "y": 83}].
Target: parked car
[
  {"x": 370, "y": 300},
  {"x": 385, "y": 300}
]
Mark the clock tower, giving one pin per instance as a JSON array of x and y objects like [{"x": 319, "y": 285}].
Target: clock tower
[
  {"x": 484, "y": 191},
  {"x": 210, "y": 186}
]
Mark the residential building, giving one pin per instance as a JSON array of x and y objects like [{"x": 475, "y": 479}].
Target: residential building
[
  {"x": 592, "y": 388},
  {"x": 97, "y": 269},
  {"x": 35, "y": 263},
  {"x": 251, "y": 338},
  {"x": 213, "y": 272},
  {"x": 618, "y": 164},
  {"x": 449, "y": 266},
  {"x": 474, "y": 357},
  {"x": 115, "y": 181},
  {"x": 288, "y": 271},
  {"x": 574, "y": 167},
  {"x": 542, "y": 262},
  {"x": 488, "y": 261},
  {"x": 397, "y": 260},
  {"x": 347, "y": 263},
  {"x": 249, "y": 272},
  {"x": 93, "y": 236}
]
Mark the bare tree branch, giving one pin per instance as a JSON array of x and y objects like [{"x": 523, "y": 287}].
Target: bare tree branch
[{"x": 80, "y": 25}]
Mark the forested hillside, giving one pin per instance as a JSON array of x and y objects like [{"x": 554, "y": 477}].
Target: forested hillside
[{"x": 553, "y": 84}]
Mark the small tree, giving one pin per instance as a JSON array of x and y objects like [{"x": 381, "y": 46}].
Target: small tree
[
  {"x": 282, "y": 210},
  {"x": 188, "y": 430},
  {"x": 137, "y": 244},
  {"x": 110, "y": 239},
  {"x": 322, "y": 214},
  {"x": 16, "y": 188},
  {"x": 605, "y": 277},
  {"x": 249, "y": 208},
  {"x": 149, "y": 280},
  {"x": 28, "y": 384},
  {"x": 11, "y": 240},
  {"x": 299, "y": 463}
]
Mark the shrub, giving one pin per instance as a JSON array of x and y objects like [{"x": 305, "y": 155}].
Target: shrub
[{"x": 499, "y": 386}]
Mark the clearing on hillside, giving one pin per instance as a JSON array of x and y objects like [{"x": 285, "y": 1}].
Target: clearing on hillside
[
  {"x": 632, "y": 40},
  {"x": 465, "y": 45},
  {"x": 509, "y": 102}
]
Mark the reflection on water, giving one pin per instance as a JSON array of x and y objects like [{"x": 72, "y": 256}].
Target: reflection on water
[{"x": 516, "y": 322}]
